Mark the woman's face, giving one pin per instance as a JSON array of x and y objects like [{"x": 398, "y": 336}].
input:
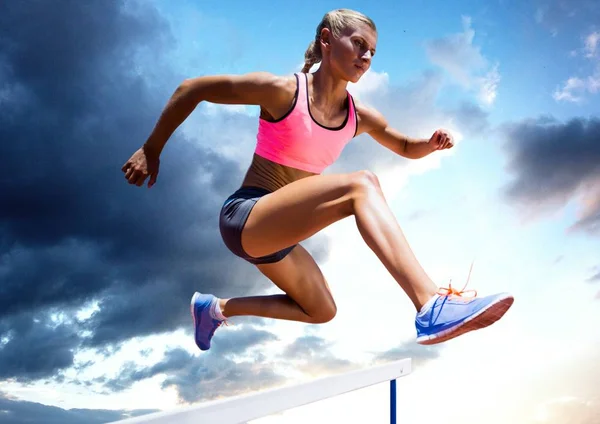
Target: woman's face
[{"x": 350, "y": 55}]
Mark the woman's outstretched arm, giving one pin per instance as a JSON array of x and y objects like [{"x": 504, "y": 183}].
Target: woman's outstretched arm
[{"x": 374, "y": 123}]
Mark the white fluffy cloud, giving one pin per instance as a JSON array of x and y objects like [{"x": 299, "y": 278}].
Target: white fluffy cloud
[
  {"x": 575, "y": 88},
  {"x": 591, "y": 44},
  {"x": 463, "y": 60}
]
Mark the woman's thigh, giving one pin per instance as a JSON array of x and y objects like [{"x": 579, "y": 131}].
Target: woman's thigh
[{"x": 298, "y": 210}]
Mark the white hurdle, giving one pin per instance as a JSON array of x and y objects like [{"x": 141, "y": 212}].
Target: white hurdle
[{"x": 241, "y": 409}]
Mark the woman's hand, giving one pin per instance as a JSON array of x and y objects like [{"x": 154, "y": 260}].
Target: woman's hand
[
  {"x": 143, "y": 163},
  {"x": 440, "y": 140}
]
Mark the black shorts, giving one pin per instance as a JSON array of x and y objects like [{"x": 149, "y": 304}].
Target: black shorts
[{"x": 233, "y": 216}]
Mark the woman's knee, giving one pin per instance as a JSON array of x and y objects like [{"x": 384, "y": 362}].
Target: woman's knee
[
  {"x": 364, "y": 183},
  {"x": 323, "y": 313},
  {"x": 321, "y": 308},
  {"x": 364, "y": 180}
]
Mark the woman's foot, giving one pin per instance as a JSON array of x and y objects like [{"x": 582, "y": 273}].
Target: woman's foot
[
  {"x": 448, "y": 314},
  {"x": 202, "y": 308}
]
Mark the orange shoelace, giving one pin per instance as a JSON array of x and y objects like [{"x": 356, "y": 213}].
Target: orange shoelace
[{"x": 452, "y": 292}]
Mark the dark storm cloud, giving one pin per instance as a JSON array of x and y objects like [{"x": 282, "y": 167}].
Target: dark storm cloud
[
  {"x": 234, "y": 365},
  {"x": 553, "y": 163},
  {"x": 82, "y": 84},
  {"x": 35, "y": 348},
  {"x": 471, "y": 118},
  {"x": 311, "y": 354},
  {"x": 209, "y": 374},
  {"x": 22, "y": 412}
]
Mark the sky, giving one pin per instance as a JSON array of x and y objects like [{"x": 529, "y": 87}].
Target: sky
[{"x": 96, "y": 275}]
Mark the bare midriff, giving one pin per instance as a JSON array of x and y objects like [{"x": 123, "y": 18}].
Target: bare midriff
[{"x": 270, "y": 175}]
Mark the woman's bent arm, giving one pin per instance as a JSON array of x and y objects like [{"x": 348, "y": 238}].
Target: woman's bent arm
[{"x": 256, "y": 88}]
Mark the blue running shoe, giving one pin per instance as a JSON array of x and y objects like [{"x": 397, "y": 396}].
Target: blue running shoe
[
  {"x": 448, "y": 314},
  {"x": 204, "y": 324}
]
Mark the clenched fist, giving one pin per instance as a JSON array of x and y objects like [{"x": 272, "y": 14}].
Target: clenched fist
[
  {"x": 140, "y": 166},
  {"x": 440, "y": 140}
]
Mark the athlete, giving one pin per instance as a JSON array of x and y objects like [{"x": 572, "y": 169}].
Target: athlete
[{"x": 305, "y": 121}]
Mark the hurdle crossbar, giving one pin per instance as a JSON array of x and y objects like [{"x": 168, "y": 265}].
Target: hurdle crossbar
[{"x": 241, "y": 409}]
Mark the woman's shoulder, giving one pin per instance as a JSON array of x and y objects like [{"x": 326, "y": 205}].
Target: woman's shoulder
[
  {"x": 369, "y": 118},
  {"x": 282, "y": 86},
  {"x": 368, "y": 113},
  {"x": 278, "y": 92},
  {"x": 286, "y": 82}
]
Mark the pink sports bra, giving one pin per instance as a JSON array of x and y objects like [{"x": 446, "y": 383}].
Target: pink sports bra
[{"x": 298, "y": 141}]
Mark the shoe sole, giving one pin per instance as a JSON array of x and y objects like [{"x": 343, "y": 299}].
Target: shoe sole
[
  {"x": 484, "y": 318},
  {"x": 193, "y": 312},
  {"x": 192, "y": 309}
]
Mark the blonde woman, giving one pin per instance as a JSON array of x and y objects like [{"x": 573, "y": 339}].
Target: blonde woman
[{"x": 305, "y": 121}]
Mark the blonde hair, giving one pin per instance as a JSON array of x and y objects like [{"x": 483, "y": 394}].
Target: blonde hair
[{"x": 336, "y": 21}]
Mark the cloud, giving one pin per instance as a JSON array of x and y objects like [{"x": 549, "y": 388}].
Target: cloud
[
  {"x": 83, "y": 85},
  {"x": 577, "y": 87},
  {"x": 371, "y": 83},
  {"x": 488, "y": 86},
  {"x": 572, "y": 395},
  {"x": 471, "y": 118},
  {"x": 408, "y": 117},
  {"x": 21, "y": 412},
  {"x": 553, "y": 163},
  {"x": 463, "y": 60},
  {"x": 311, "y": 355},
  {"x": 595, "y": 278},
  {"x": 91, "y": 262},
  {"x": 591, "y": 44},
  {"x": 35, "y": 347},
  {"x": 419, "y": 355},
  {"x": 210, "y": 374},
  {"x": 234, "y": 365},
  {"x": 411, "y": 109},
  {"x": 556, "y": 15}
]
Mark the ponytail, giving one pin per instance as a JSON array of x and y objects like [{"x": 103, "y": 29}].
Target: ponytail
[{"x": 312, "y": 55}]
